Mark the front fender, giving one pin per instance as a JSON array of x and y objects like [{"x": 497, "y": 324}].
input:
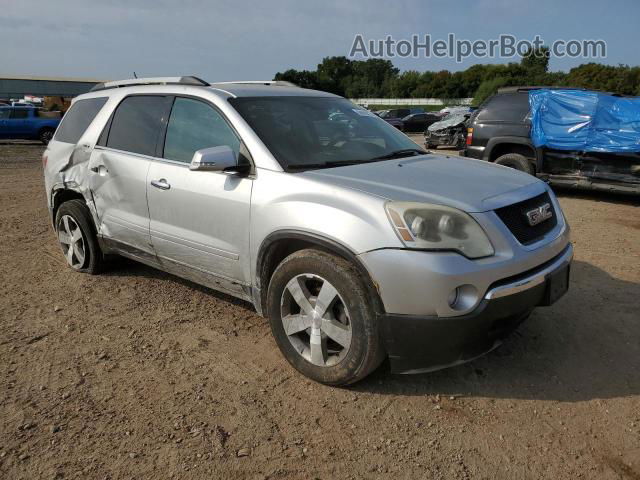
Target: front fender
[{"x": 353, "y": 219}]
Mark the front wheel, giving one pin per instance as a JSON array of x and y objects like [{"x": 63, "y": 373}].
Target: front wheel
[
  {"x": 46, "y": 135},
  {"x": 322, "y": 318}
]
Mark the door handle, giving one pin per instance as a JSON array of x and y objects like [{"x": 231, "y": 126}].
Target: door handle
[
  {"x": 101, "y": 169},
  {"x": 162, "y": 184}
]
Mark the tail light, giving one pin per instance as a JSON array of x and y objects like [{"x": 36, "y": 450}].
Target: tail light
[
  {"x": 45, "y": 159},
  {"x": 469, "y": 136}
]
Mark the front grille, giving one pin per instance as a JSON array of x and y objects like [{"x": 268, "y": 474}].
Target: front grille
[{"x": 515, "y": 218}]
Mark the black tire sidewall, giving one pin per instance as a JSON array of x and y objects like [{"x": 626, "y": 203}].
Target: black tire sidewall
[
  {"x": 42, "y": 134},
  {"x": 364, "y": 335},
  {"x": 515, "y": 161},
  {"x": 77, "y": 210}
]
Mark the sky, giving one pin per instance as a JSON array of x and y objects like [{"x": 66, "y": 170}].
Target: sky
[{"x": 222, "y": 40}]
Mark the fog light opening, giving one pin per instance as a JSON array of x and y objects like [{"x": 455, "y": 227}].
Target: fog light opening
[
  {"x": 453, "y": 297},
  {"x": 463, "y": 297}
]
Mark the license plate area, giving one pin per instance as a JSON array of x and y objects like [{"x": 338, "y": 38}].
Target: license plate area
[{"x": 557, "y": 285}]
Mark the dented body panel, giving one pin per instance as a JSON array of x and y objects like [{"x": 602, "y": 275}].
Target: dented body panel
[
  {"x": 597, "y": 136},
  {"x": 593, "y": 170}
]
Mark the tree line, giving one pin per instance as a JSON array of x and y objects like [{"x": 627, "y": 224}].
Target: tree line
[{"x": 378, "y": 78}]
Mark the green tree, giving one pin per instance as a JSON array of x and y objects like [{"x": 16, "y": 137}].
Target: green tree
[
  {"x": 621, "y": 79},
  {"x": 332, "y": 72},
  {"x": 404, "y": 84},
  {"x": 488, "y": 88},
  {"x": 536, "y": 59},
  {"x": 379, "y": 78},
  {"x": 304, "y": 78}
]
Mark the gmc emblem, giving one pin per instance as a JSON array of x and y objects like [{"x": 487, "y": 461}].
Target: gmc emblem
[{"x": 539, "y": 214}]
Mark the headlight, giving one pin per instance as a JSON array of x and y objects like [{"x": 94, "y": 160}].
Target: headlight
[{"x": 436, "y": 227}]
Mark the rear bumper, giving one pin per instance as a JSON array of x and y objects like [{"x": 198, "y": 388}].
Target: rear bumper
[
  {"x": 426, "y": 343},
  {"x": 473, "y": 152}
]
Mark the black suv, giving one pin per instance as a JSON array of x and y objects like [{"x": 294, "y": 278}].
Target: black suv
[{"x": 499, "y": 132}]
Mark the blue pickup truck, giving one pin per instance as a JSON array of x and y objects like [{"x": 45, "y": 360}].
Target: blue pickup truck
[{"x": 27, "y": 123}]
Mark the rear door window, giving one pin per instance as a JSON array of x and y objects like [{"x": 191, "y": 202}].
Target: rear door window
[
  {"x": 137, "y": 124},
  {"x": 78, "y": 118}
]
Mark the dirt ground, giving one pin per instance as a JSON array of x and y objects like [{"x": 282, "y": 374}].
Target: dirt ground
[{"x": 138, "y": 374}]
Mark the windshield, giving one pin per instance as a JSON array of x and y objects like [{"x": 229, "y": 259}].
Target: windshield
[{"x": 317, "y": 132}]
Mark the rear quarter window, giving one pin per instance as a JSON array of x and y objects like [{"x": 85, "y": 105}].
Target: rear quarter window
[
  {"x": 505, "y": 107},
  {"x": 78, "y": 118}
]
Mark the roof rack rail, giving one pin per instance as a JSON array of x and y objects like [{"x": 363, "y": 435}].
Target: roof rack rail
[
  {"x": 276, "y": 83},
  {"x": 188, "y": 80},
  {"x": 540, "y": 87}
]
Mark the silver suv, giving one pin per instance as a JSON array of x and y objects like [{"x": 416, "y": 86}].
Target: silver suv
[{"x": 353, "y": 241}]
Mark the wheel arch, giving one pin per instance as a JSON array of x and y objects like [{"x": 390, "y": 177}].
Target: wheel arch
[
  {"x": 61, "y": 195},
  {"x": 498, "y": 146},
  {"x": 280, "y": 244}
]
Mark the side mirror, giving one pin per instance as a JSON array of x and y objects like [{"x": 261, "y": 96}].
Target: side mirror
[{"x": 214, "y": 159}]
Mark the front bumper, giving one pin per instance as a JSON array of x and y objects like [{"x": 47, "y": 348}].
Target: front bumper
[{"x": 426, "y": 343}]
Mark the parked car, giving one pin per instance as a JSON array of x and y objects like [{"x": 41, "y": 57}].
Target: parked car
[
  {"x": 395, "y": 122},
  {"x": 400, "y": 112},
  {"x": 355, "y": 243},
  {"x": 500, "y": 132},
  {"x": 450, "y": 132},
  {"x": 395, "y": 116},
  {"x": 461, "y": 110},
  {"x": 27, "y": 123},
  {"x": 418, "y": 122}
]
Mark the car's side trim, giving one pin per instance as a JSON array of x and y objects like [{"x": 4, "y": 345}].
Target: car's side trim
[
  {"x": 125, "y": 224},
  {"x": 194, "y": 245},
  {"x": 188, "y": 272}
]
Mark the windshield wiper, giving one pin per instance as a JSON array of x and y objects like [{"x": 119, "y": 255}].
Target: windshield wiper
[
  {"x": 406, "y": 152},
  {"x": 336, "y": 163}
]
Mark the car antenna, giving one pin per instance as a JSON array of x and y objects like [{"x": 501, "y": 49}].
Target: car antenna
[{"x": 134, "y": 75}]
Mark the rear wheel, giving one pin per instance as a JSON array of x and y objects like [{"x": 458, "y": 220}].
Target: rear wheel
[
  {"x": 77, "y": 238},
  {"x": 322, "y": 319},
  {"x": 515, "y": 161},
  {"x": 45, "y": 136}
]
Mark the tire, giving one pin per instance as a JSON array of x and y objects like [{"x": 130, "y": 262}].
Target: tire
[
  {"x": 45, "y": 135},
  {"x": 515, "y": 161},
  {"x": 430, "y": 146},
  {"x": 350, "y": 308},
  {"x": 85, "y": 256}
]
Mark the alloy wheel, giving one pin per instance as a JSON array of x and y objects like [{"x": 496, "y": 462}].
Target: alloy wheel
[
  {"x": 72, "y": 242},
  {"x": 316, "y": 320},
  {"x": 46, "y": 136}
]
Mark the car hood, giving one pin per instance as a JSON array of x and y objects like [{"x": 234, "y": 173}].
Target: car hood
[{"x": 466, "y": 184}]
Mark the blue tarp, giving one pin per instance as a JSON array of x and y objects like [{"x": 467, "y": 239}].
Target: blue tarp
[{"x": 584, "y": 121}]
